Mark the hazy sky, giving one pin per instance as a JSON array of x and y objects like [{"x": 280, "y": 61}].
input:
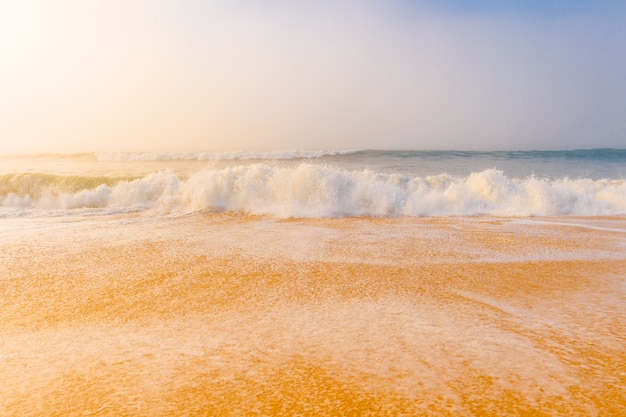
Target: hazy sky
[{"x": 243, "y": 74}]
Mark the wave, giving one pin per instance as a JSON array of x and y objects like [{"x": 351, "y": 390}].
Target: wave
[
  {"x": 572, "y": 154},
  {"x": 314, "y": 190},
  {"x": 217, "y": 156}
]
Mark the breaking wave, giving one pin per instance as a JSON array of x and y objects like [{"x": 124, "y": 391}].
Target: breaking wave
[{"x": 313, "y": 190}]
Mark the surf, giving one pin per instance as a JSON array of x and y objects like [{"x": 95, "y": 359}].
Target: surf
[{"x": 313, "y": 190}]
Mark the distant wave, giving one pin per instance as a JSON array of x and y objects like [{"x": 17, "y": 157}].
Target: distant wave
[
  {"x": 609, "y": 154},
  {"x": 84, "y": 156},
  {"x": 595, "y": 153},
  {"x": 217, "y": 156},
  {"x": 313, "y": 190}
]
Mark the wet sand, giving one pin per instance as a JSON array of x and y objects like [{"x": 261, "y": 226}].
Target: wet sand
[{"x": 223, "y": 314}]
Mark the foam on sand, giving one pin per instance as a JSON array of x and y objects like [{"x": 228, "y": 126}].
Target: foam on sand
[{"x": 229, "y": 314}]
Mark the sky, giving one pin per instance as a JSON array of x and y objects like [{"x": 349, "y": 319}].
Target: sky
[{"x": 190, "y": 75}]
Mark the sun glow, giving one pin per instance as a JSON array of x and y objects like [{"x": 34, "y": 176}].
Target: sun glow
[{"x": 134, "y": 76}]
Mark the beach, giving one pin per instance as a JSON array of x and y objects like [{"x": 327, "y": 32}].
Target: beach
[
  {"x": 226, "y": 313},
  {"x": 312, "y": 208}
]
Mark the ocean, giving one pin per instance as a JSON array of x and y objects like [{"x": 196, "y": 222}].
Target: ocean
[
  {"x": 318, "y": 184},
  {"x": 339, "y": 282}
]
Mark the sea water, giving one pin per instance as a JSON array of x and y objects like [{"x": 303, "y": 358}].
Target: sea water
[
  {"x": 313, "y": 283},
  {"x": 319, "y": 184}
]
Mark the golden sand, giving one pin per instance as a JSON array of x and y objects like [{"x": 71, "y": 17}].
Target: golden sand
[{"x": 234, "y": 315}]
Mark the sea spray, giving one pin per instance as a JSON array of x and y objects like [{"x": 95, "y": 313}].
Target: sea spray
[{"x": 315, "y": 190}]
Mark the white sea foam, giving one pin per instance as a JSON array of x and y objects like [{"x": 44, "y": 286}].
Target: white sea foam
[
  {"x": 217, "y": 156},
  {"x": 313, "y": 190}
]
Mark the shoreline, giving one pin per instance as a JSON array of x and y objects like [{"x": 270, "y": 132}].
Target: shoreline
[{"x": 231, "y": 315}]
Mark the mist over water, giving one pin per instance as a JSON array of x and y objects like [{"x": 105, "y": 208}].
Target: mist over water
[{"x": 231, "y": 75}]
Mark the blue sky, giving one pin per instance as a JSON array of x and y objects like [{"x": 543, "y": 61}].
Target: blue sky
[
  {"x": 242, "y": 74},
  {"x": 542, "y": 7}
]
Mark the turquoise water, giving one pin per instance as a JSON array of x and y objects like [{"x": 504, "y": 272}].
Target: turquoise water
[
  {"x": 319, "y": 183},
  {"x": 591, "y": 163}
]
